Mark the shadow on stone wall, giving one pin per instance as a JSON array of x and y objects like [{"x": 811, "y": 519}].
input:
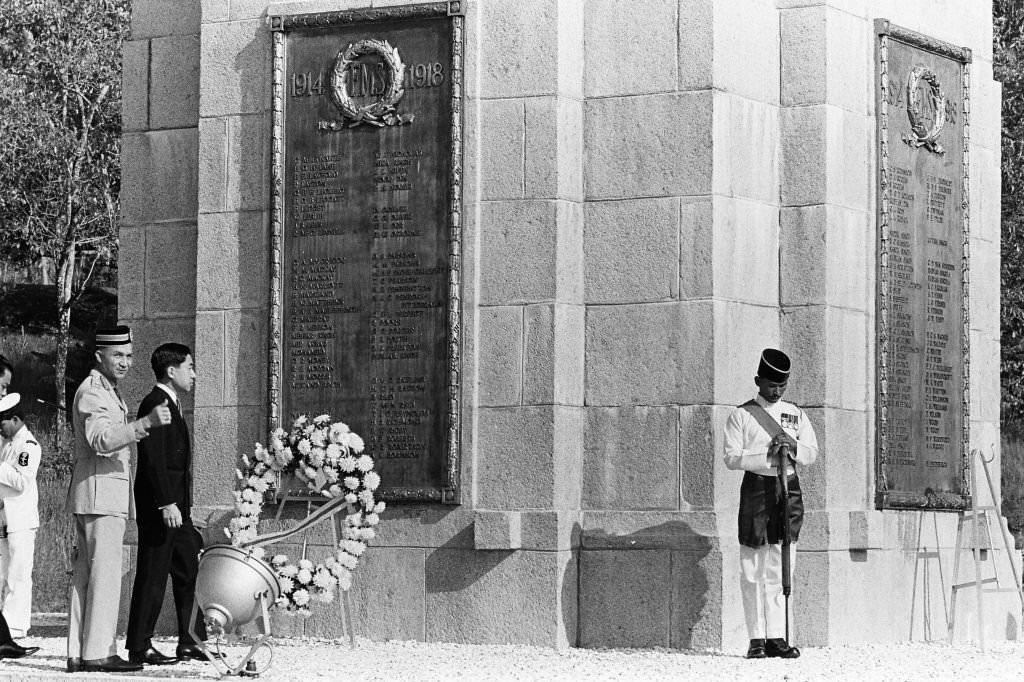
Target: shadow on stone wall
[{"x": 648, "y": 588}]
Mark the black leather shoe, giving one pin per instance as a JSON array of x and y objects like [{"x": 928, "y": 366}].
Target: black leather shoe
[
  {"x": 74, "y": 665},
  {"x": 186, "y": 652},
  {"x": 756, "y": 649},
  {"x": 15, "y": 650},
  {"x": 780, "y": 648},
  {"x": 150, "y": 656},
  {"x": 110, "y": 664}
]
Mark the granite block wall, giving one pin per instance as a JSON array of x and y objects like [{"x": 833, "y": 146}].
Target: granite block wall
[{"x": 654, "y": 191}]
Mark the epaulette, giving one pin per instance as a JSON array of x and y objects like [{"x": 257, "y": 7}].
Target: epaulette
[{"x": 31, "y": 442}]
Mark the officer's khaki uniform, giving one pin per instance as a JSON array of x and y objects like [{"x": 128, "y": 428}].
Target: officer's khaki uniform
[
  {"x": 101, "y": 499},
  {"x": 19, "y": 462}
]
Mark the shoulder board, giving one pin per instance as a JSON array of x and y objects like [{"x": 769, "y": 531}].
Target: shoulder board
[{"x": 31, "y": 442}]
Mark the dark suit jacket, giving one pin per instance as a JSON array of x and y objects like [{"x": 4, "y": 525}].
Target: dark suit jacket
[{"x": 165, "y": 467}]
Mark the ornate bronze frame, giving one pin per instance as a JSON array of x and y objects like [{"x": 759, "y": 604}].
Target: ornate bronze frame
[
  {"x": 450, "y": 492},
  {"x": 885, "y": 498}
]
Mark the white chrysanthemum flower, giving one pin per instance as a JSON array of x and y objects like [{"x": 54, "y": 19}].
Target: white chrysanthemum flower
[
  {"x": 364, "y": 463},
  {"x": 351, "y": 482},
  {"x": 258, "y": 552},
  {"x": 366, "y": 499},
  {"x": 249, "y": 495},
  {"x": 259, "y": 484},
  {"x": 283, "y": 457},
  {"x": 303, "y": 576},
  {"x": 347, "y": 464},
  {"x": 355, "y": 443},
  {"x": 303, "y": 447},
  {"x": 323, "y": 579},
  {"x": 316, "y": 456},
  {"x": 338, "y": 430},
  {"x": 348, "y": 561},
  {"x": 372, "y": 519},
  {"x": 322, "y": 420},
  {"x": 325, "y": 596},
  {"x": 305, "y": 564},
  {"x": 351, "y": 498},
  {"x": 308, "y": 430},
  {"x": 289, "y": 570},
  {"x": 333, "y": 452},
  {"x": 371, "y": 480},
  {"x": 287, "y": 584},
  {"x": 318, "y": 438},
  {"x": 367, "y": 534},
  {"x": 332, "y": 475},
  {"x": 279, "y": 560},
  {"x": 300, "y": 597},
  {"x": 379, "y": 508},
  {"x": 355, "y": 547}
]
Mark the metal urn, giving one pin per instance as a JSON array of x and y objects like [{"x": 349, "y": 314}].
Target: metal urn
[{"x": 233, "y": 588}]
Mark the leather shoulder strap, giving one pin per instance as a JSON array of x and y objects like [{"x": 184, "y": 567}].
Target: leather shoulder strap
[{"x": 763, "y": 418}]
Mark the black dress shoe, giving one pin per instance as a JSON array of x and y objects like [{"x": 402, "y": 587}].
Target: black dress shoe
[
  {"x": 110, "y": 664},
  {"x": 74, "y": 665},
  {"x": 15, "y": 650},
  {"x": 780, "y": 648},
  {"x": 186, "y": 652},
  {"x": 150, "y": 656},
  {"x": 756, "y": 649}
]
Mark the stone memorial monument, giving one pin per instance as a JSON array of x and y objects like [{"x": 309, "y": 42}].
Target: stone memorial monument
[{"x": 531, "y": 251}]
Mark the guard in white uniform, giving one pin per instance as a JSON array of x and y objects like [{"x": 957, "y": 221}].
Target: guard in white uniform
[
  {"x": 19, "y": 519},
  {"x": 762, "y": 436}
]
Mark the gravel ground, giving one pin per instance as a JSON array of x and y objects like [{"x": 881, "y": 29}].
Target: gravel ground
[{"x": 309, "y": 660}]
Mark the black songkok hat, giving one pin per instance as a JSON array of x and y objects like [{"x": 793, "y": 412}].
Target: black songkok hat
[
  {"x": 113, "y": 336},
  {"x": 774, "y": 365}
]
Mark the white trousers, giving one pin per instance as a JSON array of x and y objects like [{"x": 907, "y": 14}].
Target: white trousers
[
  {"x": 16, "y": 554},
  {"x": 764, "y": 605}
]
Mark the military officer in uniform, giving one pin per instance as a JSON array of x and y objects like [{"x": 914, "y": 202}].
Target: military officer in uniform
[
  {"x": 19, "y": 516},
  {"x": 762, "y": 436},
  {"x": 100, "y": 498}
]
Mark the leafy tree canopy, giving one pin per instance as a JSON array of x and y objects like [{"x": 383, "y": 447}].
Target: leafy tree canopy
[{"x": 1008, "y": 53}]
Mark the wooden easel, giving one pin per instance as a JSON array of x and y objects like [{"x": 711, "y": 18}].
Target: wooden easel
[
  {"x": 344, "y": 600},
  {"x": 975, "y": 516}
]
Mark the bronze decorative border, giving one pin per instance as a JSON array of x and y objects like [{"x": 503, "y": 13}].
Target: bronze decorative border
[
  {"x": 884, "y": 498},
  {"x": 451, "y": 491}
]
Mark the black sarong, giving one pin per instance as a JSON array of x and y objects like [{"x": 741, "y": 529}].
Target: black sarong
[{"x": 761, "y": 510}]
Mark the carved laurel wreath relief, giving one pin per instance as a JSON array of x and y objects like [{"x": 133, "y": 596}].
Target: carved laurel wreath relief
[
  {"x": 920, "y": 135},
  {"x": 380, "y": 112}
]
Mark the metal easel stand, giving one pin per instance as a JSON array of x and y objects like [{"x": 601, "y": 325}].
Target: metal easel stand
[
  {"x": 344, "y": 599},
  {"x": 926, "y": 554},
  {"x": 975, "y": 516}
]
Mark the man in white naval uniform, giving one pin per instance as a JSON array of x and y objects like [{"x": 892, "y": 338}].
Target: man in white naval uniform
[
  {"x": 750, "y": 447},
  {"x": 20, "y": 455}
]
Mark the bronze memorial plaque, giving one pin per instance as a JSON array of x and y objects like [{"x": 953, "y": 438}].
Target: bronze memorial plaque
[
  {"x": 366, "y": 234},
  {"x": 922, "y": 362}
]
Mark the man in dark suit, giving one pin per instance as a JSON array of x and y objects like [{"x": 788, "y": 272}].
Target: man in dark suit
[{"x": 168, "y": 542}]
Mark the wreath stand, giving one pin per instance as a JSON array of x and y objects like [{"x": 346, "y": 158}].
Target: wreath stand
[
  {"x": 976, "y": 516},
  {"x": 344, "y": 600}
]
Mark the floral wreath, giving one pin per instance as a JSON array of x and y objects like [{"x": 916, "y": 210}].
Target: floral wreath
[
  {"x": 329, "y": 458},
  {"x": 920, "y": 136},
  {"x": 381, "y": 112}
]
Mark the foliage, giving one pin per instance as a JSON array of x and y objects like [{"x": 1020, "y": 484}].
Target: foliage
[
  {"x": 1008, "y": 58},
  {"x": 60, "y": 94}
]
